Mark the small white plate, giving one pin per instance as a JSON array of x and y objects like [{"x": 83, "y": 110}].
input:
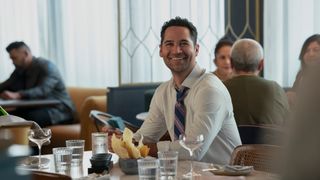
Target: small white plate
[{"x": 32, "y": 162}]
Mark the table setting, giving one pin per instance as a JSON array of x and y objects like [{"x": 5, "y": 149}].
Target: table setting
[{"x": 129, "y": 160}]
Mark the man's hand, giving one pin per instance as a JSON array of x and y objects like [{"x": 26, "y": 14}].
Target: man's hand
[
  {"x": 110, "y": 132},
  {"x": 10, "y": 95},
  {"x": 153, "y": 149}
]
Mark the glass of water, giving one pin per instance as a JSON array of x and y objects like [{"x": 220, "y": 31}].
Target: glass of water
[
  {"x": 168, "y": 162},
  {"x": 148, "y": 168},
  {"x": 77, "y": 147},
  {"x": 62, "y": 159},
  {"x": 99, "y": 143}
]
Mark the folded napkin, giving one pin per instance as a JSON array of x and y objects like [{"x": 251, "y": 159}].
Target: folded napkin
[
  {"x": 94, "y": 176},
  {"x": 237, "y": 168}
]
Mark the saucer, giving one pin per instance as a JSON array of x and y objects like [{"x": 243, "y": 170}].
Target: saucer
[
  {"x": 229, "y": 170},
  {"x": 32, "y": 162}
]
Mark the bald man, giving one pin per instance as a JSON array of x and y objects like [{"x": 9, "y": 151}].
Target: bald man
[{"x": 255, "y": 100}]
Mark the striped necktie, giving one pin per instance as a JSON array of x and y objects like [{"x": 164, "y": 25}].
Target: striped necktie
[{"x": 180, "y": 112}]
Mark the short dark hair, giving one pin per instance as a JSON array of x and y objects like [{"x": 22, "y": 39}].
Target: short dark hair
[
  {"x": 178, "y": 21},
  {"x": 17, "y": 45},
  {"x": 224, "y": 41}
]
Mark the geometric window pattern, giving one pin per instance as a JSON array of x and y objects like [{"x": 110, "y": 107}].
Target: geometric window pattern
[
  {"x": 243, "y": 19},
  {"x": 140, "y": 22}
]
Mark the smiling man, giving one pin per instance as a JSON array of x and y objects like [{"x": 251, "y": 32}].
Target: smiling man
[{"x": 192, "y": 102}]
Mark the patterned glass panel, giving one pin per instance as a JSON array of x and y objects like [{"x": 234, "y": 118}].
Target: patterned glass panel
[{"x": 140, "y": 25}]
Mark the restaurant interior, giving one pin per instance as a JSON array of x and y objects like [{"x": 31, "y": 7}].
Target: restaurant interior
[{"x": 107, "y": 53}]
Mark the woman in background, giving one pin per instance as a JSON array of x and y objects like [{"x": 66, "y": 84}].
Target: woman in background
[
  {"x": 309, "y": 55},
  {"x": 222, "y": 59}
]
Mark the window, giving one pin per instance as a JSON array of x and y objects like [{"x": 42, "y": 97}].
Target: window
[
  {"x": 105, "y": 43},
  {"x": 287, "y": 24}
]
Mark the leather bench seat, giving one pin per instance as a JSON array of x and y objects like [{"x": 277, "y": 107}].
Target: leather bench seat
[{"x": 85, "y": 100}]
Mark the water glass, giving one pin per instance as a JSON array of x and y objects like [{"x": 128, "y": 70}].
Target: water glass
[
  {"x": 148, "y": 168},
  {"x": 99, "y": 143},
  {"x": 168, "y": 164},
  {"x": 76, "y": 171},
  {"x": 77, "y": 147},
  {"x": 62, "y": 159}
]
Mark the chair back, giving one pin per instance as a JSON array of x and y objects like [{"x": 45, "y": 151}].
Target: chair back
[
  {"x": 261, "y": 134},
  {"x": 127, "y": 101},
  {"x": 79, "y": 94},
  {"x": 261, "y": 156},
  {"x": 41, "y": 175}
]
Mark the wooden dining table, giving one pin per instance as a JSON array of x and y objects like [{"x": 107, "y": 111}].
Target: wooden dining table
[{"x": 81, "y": 172}]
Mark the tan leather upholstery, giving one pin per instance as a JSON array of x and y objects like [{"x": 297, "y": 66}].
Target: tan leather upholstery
[
  {"x": 87, "y": 125},
  {"x": 84, "y": 99},
  {"x": 79, "y": 95}
]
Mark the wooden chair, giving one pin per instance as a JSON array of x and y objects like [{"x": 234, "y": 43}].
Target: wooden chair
[
  {"x": 261, "y": 134},
  {"x": 41, "y": 175},
  {"x": 262, "y": 157}
]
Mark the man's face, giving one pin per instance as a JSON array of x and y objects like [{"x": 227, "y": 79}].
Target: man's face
[
  {"x": 18, "y": 57},
  {"x": 178, "y": 51}
]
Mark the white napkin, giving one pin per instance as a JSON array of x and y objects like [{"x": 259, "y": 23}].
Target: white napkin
[
  {"x": 237, "y": 168},
  {"x": 94, "y": 176}
]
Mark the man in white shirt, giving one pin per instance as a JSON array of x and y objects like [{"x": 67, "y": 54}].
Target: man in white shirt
[{"x": 207, "y": 103}]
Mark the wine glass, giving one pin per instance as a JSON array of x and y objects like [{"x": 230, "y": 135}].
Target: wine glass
[
  {"x": 39, "y": 136},
  {"x": 191, "y": 143}
]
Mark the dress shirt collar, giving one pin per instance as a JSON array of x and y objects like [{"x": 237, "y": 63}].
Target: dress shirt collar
[{"x": 196, "y": 72}]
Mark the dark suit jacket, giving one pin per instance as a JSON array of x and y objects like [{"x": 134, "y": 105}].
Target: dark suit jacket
[{"x": 41, "y": 80}]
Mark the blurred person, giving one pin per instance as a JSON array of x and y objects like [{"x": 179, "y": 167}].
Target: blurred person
[
  {"x": 207, "y": 104},
  {"x": 36, "y": 78},
  {"x": 222, "y": 59},
  {"x": 256, "y": 101},
  {"x": 301, "y": 156},
  {"x": 309, "y": 54},
  {"x": 10, "y": 157}
]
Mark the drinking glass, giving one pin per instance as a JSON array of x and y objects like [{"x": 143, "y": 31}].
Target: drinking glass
[
  {"x": 62, "y": 159},
  {"x": 77, "y": 147},
  {"x": 99, "y": 143},
  {"x": 148, "y": 168},
  {"x": 39, "y": 136},
  {"x": 168, "y": 163},
  {"x": 191, "y": 143}
]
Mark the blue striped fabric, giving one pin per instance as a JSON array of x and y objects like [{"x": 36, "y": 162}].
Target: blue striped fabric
[{"x": 180, "y": 112}]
